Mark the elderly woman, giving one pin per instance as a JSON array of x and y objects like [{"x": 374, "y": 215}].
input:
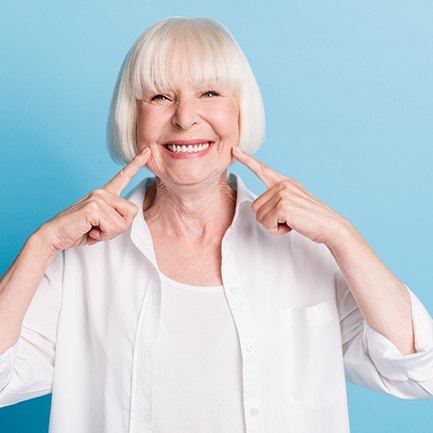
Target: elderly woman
[{"x": 193, "y": 305}]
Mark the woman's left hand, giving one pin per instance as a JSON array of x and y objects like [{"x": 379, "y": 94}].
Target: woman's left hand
[{"x": 288, "y": 205}]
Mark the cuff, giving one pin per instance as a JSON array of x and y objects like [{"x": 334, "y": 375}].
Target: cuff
[
  {"x": 390, "y": 362},
  {"x": 7, "y": 365}
]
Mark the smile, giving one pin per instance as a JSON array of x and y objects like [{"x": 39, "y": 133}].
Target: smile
[{"x": 186, "y": 150}]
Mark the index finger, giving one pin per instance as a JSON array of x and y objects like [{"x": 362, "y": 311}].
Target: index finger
[
  {"x": 122, "y": 179},
  {"x": 266, "y": 174}
]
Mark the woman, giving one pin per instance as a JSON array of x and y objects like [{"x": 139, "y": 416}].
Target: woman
[{"x": 193, "y": 304}]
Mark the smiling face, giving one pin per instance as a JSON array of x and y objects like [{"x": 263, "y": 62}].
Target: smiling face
[{"x": 190, "y": 131}]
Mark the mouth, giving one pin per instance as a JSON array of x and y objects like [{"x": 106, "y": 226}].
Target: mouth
[{"x": 188, "y": 148}]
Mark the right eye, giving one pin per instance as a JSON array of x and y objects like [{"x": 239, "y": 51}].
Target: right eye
[{"x": 159, "y": 97}]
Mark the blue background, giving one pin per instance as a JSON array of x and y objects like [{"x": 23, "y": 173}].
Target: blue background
[{"x": 348, "y": 92}]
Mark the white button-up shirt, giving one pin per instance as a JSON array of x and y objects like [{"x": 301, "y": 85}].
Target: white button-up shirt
[{"x": 90, "y": 333}]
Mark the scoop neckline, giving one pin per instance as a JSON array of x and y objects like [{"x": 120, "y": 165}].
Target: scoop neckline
[{"x": 190, "y": 287}]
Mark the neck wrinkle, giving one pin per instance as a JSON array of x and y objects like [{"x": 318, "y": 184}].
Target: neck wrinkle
[{"x": 200, "y": 213}]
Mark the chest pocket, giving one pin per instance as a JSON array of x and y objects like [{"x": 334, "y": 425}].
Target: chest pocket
[{"x": 313, "y": 369}]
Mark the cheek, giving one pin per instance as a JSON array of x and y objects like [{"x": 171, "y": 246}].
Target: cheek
[
  {"x": 148, "y": 126},
  {"x": 144, "y": 130},
  {"x": 227, "y": 122}
]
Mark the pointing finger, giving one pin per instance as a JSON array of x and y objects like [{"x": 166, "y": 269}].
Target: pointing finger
[
  {"x": 265, "y": 173},
  {"x": 122, "y": 179}
]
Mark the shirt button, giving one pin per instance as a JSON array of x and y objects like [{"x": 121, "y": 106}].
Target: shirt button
[
  {"x": 414, "y": 376},
  {"x": 234, "y": 290},
  {"x": 250, "y": 347},
  {"x": 254, "y": 411}
]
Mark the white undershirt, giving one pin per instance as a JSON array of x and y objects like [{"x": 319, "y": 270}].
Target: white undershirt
[{"x": 198, "y": 369}]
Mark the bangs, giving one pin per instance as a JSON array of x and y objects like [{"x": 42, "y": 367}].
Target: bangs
[{"x": 182, "y": 53}]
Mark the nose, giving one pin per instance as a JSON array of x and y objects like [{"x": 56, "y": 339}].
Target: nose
[{"x": 185, "y": 115}]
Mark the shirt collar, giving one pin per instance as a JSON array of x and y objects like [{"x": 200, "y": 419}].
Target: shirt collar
[{"x": 140, "y": 233}]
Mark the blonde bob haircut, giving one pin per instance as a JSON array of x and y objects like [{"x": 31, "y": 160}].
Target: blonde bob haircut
[{"x": 208, "y": 53}]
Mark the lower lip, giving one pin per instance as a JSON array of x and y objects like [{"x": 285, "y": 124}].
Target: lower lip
[{"x": 189, "y": 155}]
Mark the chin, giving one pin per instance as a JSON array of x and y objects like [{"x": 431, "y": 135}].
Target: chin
[{"x": 192, "y": 177}]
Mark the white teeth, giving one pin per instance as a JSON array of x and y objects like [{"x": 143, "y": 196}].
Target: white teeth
[{"x": 187, "y": 149}]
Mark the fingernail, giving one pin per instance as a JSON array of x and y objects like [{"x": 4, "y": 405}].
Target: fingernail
[{"x": 237, "y": 150}]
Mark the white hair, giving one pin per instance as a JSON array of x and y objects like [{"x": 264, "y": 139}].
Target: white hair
[{"x": 207, "y": 51}]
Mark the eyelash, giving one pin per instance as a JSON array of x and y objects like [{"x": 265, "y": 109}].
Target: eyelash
[
  {"x": 157, "y": 97},
  {"x": 212, "y": 91}
]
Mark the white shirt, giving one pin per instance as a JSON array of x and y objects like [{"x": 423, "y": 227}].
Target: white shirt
[
  {"x": 197, "y": 385},
  {"x": 90, "y": 333}
]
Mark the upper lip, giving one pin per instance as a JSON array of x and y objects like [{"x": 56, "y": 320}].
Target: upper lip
[{"x": 187, "y": 142}]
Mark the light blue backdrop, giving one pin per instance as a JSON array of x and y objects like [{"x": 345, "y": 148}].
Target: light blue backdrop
[{"x": 349, "y": 97}]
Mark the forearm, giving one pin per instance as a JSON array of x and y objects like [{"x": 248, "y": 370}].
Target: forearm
[
  {"x": 382, "y": 298},
  {"x": 19, "y": 284}
]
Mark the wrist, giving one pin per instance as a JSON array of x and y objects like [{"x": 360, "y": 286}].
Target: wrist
[
  {"x": 343, "y": 234},
  {"x": 40, "y": 241}
]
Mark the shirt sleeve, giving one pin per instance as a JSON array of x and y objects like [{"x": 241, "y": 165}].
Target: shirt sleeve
[
  {"x": 27, "y": 368},
  {"x": 371, "y": 360}
]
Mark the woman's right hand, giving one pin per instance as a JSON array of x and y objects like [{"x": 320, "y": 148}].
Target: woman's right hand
[{"x": 101, "y": 215}]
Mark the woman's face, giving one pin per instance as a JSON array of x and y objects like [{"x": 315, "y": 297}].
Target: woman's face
[{"x": 188, "y": 118}]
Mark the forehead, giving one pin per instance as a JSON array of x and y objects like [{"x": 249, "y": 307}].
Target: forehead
[{"x": 191, "y": 63}]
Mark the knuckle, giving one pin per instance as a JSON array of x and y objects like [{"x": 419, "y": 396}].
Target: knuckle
[
  {"x": 121, "y": 223},
  {"x": 285, "y": 194},
  {"x": 130, "y": 210},
  {"x": 127, "y": 221},
  {"x": 98, "y": 192},
  {"x": 286, "y": 183},
  {"x": 133, "y": 209},
  {"x": 108, "y": 231},
  {"x": 92, "y": 205},
  {"x": 280, "y": 205},
  {"x": 129, "y": 206},
  {"x": 124, "y": 226},
  {"x": 98, "y": 202}
]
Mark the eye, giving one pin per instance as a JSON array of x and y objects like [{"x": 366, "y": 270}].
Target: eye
[
  {"x": 159, "y": 98},
  {"x": 211, "y": 93}
]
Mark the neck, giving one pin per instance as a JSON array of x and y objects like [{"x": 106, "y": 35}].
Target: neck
[{"x": 197, "y": 213}]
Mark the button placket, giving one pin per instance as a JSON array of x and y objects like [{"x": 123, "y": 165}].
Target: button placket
[{"x": 245, "y": 324}]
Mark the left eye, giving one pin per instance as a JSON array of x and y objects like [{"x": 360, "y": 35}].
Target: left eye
[{"x": 211, "y": 93}]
